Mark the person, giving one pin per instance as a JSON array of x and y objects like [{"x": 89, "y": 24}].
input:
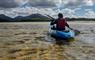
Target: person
[{"x": 61, "y": 23}]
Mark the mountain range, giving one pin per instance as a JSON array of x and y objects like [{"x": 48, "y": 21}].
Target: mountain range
[
  {"x": 4, "y": 18},
  {"x": 36, "y": 17}
]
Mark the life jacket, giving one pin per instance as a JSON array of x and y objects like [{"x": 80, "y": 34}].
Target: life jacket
[{"x": 61, "y": 24}]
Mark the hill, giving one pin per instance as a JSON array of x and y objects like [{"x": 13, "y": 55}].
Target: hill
[{"x": 33, "y": 17}]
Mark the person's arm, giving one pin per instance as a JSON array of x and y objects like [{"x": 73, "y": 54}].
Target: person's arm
[
  {"x": 53, "y": 22},
  {"x": 67, "y": 25}
]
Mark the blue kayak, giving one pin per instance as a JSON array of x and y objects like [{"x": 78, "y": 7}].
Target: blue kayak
[{"x": 63, "y": 34}]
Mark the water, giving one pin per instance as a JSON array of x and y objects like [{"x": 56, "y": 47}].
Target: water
[{"x": 28, "y": 41}]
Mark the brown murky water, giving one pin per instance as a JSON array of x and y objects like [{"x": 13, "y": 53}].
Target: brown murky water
[{"x": 30, "y": 41}]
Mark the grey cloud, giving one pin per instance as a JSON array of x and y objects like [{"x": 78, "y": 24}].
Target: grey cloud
[
  {"x": 7, "y": 4},
  {"x": 74, "y": 4},
  {"x": 78, "y": 3},
  {"x": 42, "y": 3},
  {"x": 34, "y": 3}
]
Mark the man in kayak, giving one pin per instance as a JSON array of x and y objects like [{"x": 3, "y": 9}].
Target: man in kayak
[{"x": 61, "y": 23}]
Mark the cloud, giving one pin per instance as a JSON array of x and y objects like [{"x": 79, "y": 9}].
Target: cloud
[
  {"x": 13, "y": 12},
  {"x": 33, "y": 3},
  {"x": 78, "y": 3},
  {"x": 46, "y": 3},
  {"x": 69, "y": 12},
  {"x": 37, "y": 3},
  {"x": 21, "y": 2},
  {"x": 42, "y": 3},
  {"x": 51, "y": 7},
  {"x": 89, "y": 2},
  {"x": 7, "y": 4},
  {"x": 72, "y": 3},
  {"x": 90, "y": 13}
]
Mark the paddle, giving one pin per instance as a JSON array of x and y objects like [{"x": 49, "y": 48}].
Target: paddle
[
  {"x": 50, "y": 17},
  {"x": 76, "y": 31}
]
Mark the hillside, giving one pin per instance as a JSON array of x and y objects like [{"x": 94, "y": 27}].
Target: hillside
[{"x": 33, "y": 17}]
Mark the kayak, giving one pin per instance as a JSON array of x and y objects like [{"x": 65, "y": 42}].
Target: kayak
[
  {"x": 62, "y": 34},
  {"x": 66, "y": 34}
]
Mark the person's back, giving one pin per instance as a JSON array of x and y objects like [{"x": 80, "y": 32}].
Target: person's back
[{"x": 60, "y": 22}]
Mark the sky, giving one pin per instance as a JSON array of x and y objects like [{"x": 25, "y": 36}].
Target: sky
[{"x": 69, "y": 8}]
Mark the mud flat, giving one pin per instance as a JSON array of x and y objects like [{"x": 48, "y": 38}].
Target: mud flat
[{"x": 30, "y": 41}]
